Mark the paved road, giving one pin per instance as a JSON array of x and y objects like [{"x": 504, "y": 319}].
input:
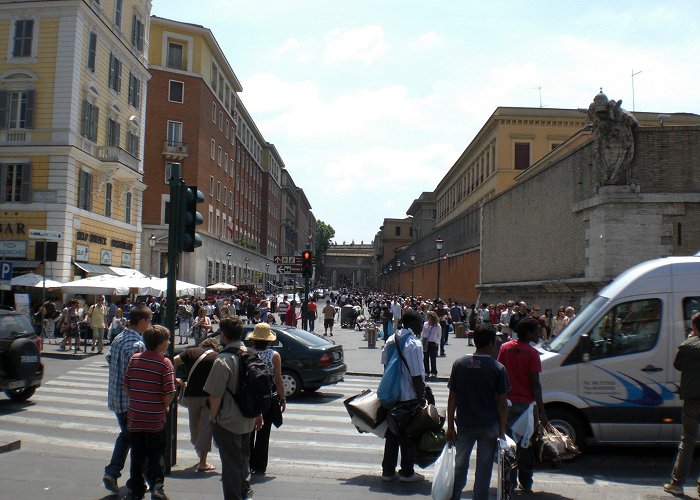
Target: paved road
[{"x": 67, "y": 435}]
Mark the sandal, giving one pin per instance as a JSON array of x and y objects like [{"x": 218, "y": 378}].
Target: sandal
[{"x": 206, "y": 468}]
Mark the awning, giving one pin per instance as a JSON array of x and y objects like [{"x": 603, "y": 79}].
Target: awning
[
  {"x": 126, "y": 271},
  {"x": 94, "y": 268},
  {"x": 23, "y": 264}
]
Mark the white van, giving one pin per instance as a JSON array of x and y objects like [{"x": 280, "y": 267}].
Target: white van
[{"x": 608, "y": 377}]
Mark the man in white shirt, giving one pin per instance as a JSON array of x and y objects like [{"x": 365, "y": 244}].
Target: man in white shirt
[{"x": 396, "y": 312}]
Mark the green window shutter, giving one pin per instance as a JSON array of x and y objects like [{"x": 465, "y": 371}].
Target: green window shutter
[
  {"x": 29, "y": 115},
  {"x": 4, "y": 105},
  {"x": 3, "y": 178},
  {"x": 95, "y": 121},
  {"x": 25, "y": 196}
]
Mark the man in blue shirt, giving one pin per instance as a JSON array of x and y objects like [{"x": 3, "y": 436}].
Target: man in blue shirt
[
  {"x": 478, "y": 388},
  {"x": 125, "y": 345}
]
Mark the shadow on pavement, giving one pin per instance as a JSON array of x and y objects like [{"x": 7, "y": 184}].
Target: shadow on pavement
[{"x": 374, "y": 483}]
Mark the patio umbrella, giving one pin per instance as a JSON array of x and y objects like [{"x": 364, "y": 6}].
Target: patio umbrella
[
  {"x": 159, "y": 286},
  {"x": 104, "y": 284},
  {"x": 34, "y": 280},
  {"x": 221, "y": 287}
]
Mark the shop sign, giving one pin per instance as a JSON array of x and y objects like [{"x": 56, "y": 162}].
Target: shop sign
[
  {"x": 82, "y": 253},
  {"x": 106, "y": 257},
  {"x": 126, "y": 259},
  {"x": 102, "y": 240},
  {"x": 13, "y": 249}
]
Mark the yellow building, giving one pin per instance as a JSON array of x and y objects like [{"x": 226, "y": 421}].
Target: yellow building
[{"x": 72, "y": 110}]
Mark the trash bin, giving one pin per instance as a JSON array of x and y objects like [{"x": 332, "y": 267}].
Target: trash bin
[
  {"x": 459, "y": 330},
  {"x": 371, "y": 334}
]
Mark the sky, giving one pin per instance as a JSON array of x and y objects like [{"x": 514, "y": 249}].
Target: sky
[{"x": 371, "y": 102}]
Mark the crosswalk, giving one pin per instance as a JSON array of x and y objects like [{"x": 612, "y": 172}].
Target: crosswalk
[{"x": 68, "y": 416}]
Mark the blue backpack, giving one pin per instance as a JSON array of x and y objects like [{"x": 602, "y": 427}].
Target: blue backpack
[{"x": 389, "y": 386}]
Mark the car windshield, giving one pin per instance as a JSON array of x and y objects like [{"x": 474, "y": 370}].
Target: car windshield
[
  {"x": 306, "y": 338},
  {"x": 558, "y": 342},
  {"x": 12, "y": 324}
]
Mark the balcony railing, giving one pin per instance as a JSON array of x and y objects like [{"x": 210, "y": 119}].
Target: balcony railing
[
  {"x": 117, "y": 155},
  {"x": 174, "y": 150}
]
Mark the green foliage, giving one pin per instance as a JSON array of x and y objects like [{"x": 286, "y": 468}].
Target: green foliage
[{"x": 324, "y": 234}]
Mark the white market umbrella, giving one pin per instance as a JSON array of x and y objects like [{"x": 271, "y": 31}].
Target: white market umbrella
[
  {"x": 159, "y": 287},
  {"x": 221, "y": 287},
  {"x": 103, "y": 284},
  {"x": 35, "y": 280}
]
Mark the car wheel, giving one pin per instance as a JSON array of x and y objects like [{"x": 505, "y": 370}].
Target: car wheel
[
  {"x": 20, "y": 394},
  {"x": 312, "y": 389},
  {"x": 569, "y": 423},
  {"x": 292, "y": 384}
]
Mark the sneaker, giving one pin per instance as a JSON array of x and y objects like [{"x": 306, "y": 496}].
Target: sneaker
[
  {"x": 389, "y": 477},
  {"x": 412, "y": 478},
  {"x": 110, "y": 483},
  {"x": 673, "y": 488},
  {"x": 158, "y": 494}
]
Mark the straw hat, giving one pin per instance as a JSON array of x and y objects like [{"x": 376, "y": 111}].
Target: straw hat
[{"x": 263, "y": 333}]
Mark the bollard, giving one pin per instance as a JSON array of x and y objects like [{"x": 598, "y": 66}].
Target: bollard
[{"x": 371, "y": 337}]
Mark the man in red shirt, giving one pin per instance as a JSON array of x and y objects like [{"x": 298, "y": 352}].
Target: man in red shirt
[
  {"x": 150, "y": 381},
  {"x": 522, "y": 362}
]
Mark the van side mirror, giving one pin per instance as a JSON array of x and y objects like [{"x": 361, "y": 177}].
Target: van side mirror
[{"x": 585, "y": 346}]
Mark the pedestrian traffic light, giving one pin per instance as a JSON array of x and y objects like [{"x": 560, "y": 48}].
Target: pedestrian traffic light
[
  {"x": 190, "y": 219},
  {"x": 307, "y": 267}
]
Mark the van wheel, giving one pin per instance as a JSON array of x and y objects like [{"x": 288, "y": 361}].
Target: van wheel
[{"x": 569, "y": 423}]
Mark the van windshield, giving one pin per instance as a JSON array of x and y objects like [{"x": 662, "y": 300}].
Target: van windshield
[{"x": 558, "y": 342}]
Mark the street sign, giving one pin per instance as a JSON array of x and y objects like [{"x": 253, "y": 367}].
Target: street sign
[
  {"x": 289, "y": 269},
  {"x": 43, "y": 234},
  {"x": 287, "y": 259},
  {"x": 5, "y": 275}
]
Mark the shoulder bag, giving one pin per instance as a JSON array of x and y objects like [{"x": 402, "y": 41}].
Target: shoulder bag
[{"x": 181, "y": 396}]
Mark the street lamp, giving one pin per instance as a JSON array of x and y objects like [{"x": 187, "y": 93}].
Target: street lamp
[
  {"x": 398, "y": 271},
  {"x": 438, "y": 246},
  {"x": 152, "y": 244},
  {"x": 228, "y": 267},
  {"x": 413, "y": 262},
  {"x": 246, "y": 269},
  {"x": 390, "y": 284},
  {"x": 267, "y": 275}
]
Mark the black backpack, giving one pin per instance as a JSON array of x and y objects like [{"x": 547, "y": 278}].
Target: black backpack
[{"x": 254, "y": 394}]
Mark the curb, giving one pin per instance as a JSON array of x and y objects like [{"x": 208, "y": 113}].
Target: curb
[
  {"x": 67, "y": 354},
  {"x": 379, "y": 375}
]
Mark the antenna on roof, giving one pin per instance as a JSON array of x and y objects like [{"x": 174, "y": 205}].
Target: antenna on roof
[
  {"x": 540, "y": 90},
  {"x": 633, "y": 75}
]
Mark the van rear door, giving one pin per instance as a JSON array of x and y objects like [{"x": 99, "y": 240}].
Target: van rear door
[{"x": 624, "y": 381}]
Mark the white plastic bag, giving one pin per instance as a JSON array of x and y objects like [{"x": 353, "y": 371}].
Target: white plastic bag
[
  {"x": 444, "y": 475},
  {"x": 524, "y": 427}
]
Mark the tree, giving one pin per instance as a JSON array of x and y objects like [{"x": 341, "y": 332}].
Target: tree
[{"x": 324, "y": 234}]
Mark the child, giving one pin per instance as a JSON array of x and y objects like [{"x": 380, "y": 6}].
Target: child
[{"x": 150, "y": 380}]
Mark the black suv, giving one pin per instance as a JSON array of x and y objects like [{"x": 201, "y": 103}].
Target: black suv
[{"x": 20, "y": 360}]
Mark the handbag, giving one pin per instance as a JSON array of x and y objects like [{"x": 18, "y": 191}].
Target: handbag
[
  {"x": 552, "y": 445},
  {"x": 276, "y": 411},
  {"x": 181, "y": 395},
  {"x": 444, "y": 475},
  {"x": 413, "y": 418},
  {"x": 367, "y": 407},
  {"x": 432, "y": 441}
]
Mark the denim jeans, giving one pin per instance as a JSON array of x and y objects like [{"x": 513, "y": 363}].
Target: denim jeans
[
  {"x": 486, "y": 440},
  {"x": 121, "y": 449},
  {"x": 684, "y": 459}
]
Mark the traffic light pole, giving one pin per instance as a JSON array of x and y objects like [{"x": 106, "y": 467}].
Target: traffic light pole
[{"x": 171, "y": 300}]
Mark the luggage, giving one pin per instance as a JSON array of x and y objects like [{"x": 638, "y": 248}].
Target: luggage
[{"x": 507, "y": 462}]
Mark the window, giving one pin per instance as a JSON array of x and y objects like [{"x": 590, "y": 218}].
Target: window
[
  {"x": 214, "y": 76},
  {"x": 176, "y": 91},
  {"x": 691, "y": 305},
  {"x": 92, "y": 51},
  {"x": 132, "y": 144},
  {"x": 212, "y": 151},
  {"x": 174, "y": 133},
  {"x": 108, "y": 200},
  {"x": 22, "y": 42},
  {"x": 219, "y": 157},
  {"x": 627, "y": 328},
  {"x": 137, "y": 34},
  {"x": 221, "y": 120},
  {"x": 91, "y": 114},
  {"x": 168, "y": 170},
  {"x": 227, "y": 129},
  {"x": 134, "y": 91},
  {"x": 115, "y": 73},
  {"x": 118, "y": 13},
  {"x": 112, "y": 132},
  {"x": 85, "y": 190},
  {"x": 522, "y": 155},
  {"x": 174, "y": 55},
  {"x": 213, "y": 112},
  {"x": 17, "y": 109},
  {"x": 127, "y": 208},
  {"x": 211, "y": 185},
  {"x": 397, "y": 230},
  {"x": 165, "y": 216},
  {"x": 16, "y": 183},
  {"x": 218, "y": 191}
]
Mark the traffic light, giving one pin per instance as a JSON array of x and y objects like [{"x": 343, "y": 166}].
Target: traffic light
[
  {"x": 307, "y": 266},
  {"x": 190, "y": 219}
]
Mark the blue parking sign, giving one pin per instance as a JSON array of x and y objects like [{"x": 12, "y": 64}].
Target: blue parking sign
[{"x": 5, "y": 271}]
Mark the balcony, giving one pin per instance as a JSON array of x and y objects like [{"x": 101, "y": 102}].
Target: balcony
[
  {"x": 173, "y": 150},
  {"x": 114, "y": 154},
  {"x": 13, "y": 136}
]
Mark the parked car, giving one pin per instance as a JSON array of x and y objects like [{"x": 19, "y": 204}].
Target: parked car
[
  {"x": 21, "y": 369},
  {"x": 309, "y": 361}
]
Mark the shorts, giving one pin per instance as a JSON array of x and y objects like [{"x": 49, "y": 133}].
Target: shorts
[{"x": 327, "y": 323}]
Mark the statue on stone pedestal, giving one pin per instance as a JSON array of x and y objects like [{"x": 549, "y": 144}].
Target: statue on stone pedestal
[{"x": 613, "y": 140}]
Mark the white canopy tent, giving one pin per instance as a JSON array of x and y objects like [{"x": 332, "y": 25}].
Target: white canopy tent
[
  {"x": 104, "y": 284},
  {"x": 159, "y": 286},
  {"x": 221, "y": 287},
  {"x": 35, "y": 280}
]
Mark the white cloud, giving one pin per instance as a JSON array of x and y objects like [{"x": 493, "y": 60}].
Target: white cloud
[
  {"x": 428, "y": 40},
  {"x": 303, "y": 51},
  {"x": 365, "y": 44}
]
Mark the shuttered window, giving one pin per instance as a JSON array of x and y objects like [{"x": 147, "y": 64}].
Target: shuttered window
[
  {"x": 22, "y": 42},
  {"x": 17, "y": 109},
  {"x": 85, "y": 190},
  {"x": 16, "y": 182},
  {"x": 522, "y": 155}
]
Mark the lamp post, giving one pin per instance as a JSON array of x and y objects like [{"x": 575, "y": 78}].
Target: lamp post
[
  {"x": 413, "y": 262},
  {"x": 438, "y": 246},
  {"x": 267, "y": 275},
  {"x": 246, "y": 269},
  {"x": 228, "y": 267},
  {"x": 152, "y": 244},
  {"x": 391, "y": 280},
  {"x": 398, "y": 271}
]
